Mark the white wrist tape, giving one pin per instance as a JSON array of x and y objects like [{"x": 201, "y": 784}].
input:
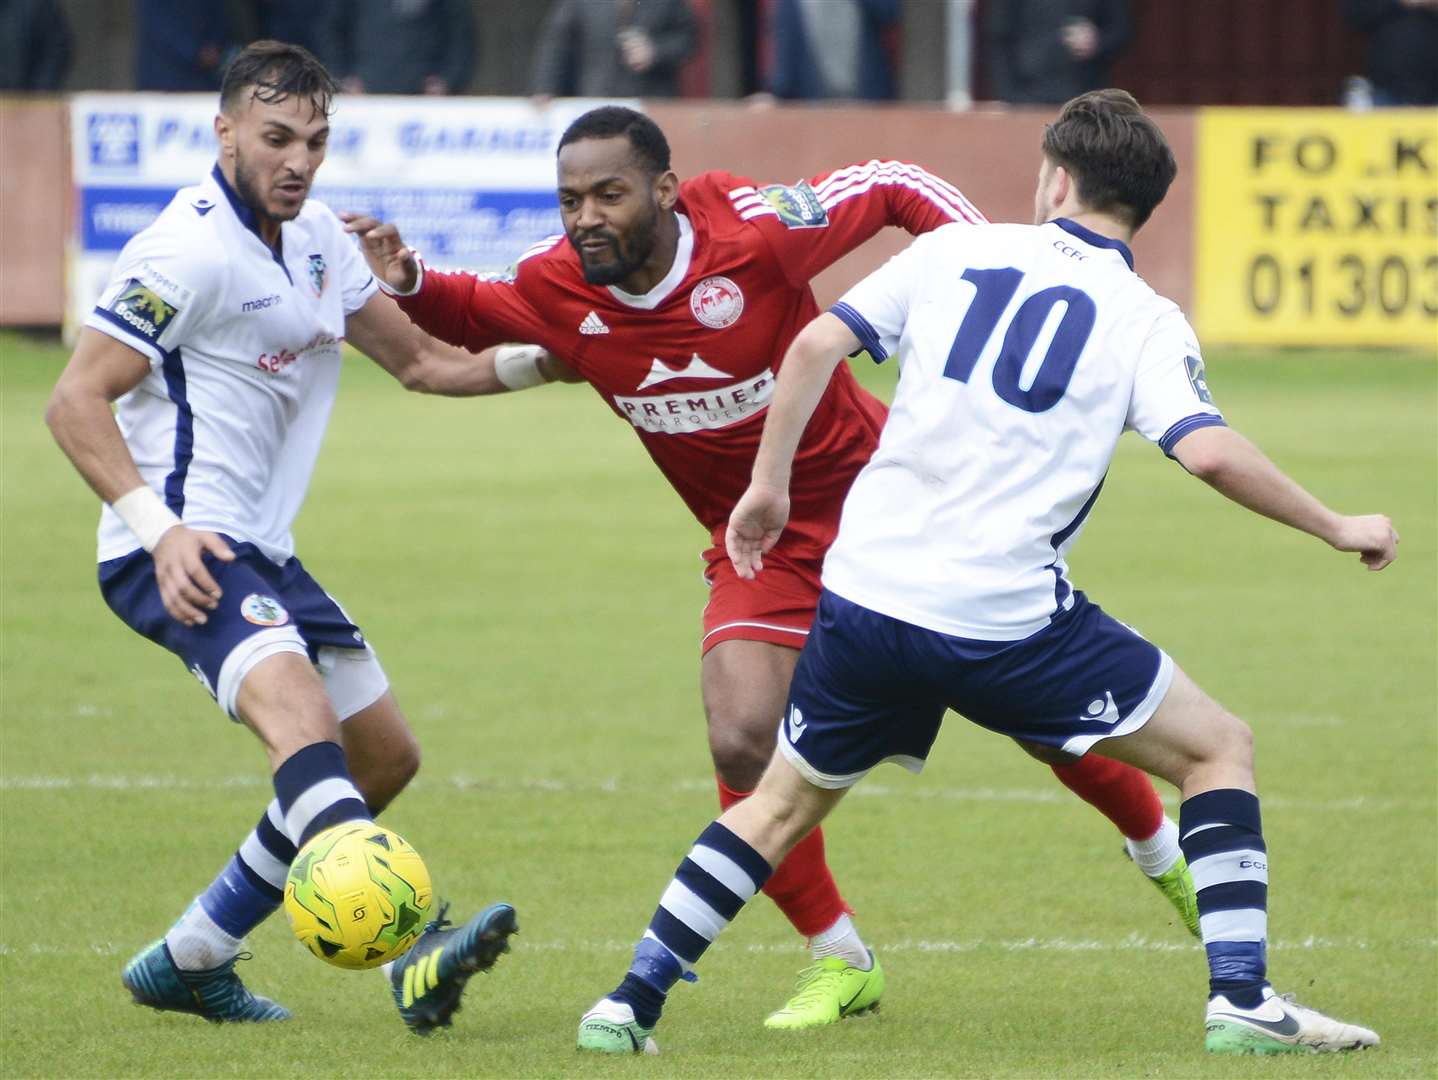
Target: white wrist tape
[
  {"x": 517, "y": 366},
  {"x": 418, "y": 279},
  {"x": 146, "y": 514}
]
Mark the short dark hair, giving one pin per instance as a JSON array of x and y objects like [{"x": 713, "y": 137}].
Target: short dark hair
[
  {"x": 275, "y": 70},
  {"x": 1116, "y": 154},
  {"x": 651, "y": 148}
]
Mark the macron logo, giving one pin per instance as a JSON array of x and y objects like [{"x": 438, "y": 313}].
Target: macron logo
[
  {"x": 593, "y": 324},
  {"x": 1102, "y": 711},
  {"x": 797, "y": 724}
]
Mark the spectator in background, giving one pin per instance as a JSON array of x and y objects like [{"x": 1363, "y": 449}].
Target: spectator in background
[
  {"x": 614, "y": 48},
  {"x": 1048, "y": 51},
  {"x": 34, "y": 45},
  {"x": 181, "y": 45},
  {"x": 831, "y": 49},
  {"x": 295, "y": 22},
  {"x": 1402, "y": 48},
  {"x": 400, "y": 46}
]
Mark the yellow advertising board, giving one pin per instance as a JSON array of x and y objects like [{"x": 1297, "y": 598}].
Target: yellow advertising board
[{"x": 1317, "y": 227}]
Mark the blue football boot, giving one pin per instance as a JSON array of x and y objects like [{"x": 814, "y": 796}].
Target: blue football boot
[
  {"x": 216, "y": 994},
  {"x": 428, "y": 981}
]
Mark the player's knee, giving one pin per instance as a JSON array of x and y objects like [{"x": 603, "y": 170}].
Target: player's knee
[
  {"x": 1237, "y": 740},
  {"x": 741, "y": 744},
  {"x": 380, "y": 781}
]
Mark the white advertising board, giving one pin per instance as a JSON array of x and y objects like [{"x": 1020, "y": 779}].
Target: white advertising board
[{"x": 469, "y": 181}]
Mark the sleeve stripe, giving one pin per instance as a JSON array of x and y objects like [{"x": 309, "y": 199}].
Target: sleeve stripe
[
  {"x": 866, "y": 334},
  {"x": 933, "y": 196},
  {"x": 541, "y": 247},
  {"x": 747, "y": 201},
  {"x": 1186, "y": 426},
  {"x": 885, "y": 171},
  {"x": 911, "y": 176},
  {"x": 737, "y": 192},
  {"x": 758, "y": 211}
]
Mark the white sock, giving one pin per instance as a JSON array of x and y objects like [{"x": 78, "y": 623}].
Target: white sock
[
  {"x": 1156, "y": 855},
  {"x": 842, "y": 939},
  {"x": 197, "y": 944}
]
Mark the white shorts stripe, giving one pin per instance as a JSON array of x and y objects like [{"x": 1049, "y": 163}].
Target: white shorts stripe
[
  {"x": 258, "y": 858},
  {"x": 758, "y": 625},
  {"x": 724, "y": 870},
  {"x": 1240, "y": 924},
  {"x": 315, "y": 800},
  {"x": 681, "y": 902},
  {"x": 1244, "y": 865}
]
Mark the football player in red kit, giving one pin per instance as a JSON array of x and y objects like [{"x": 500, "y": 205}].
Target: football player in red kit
[{"x": 675, "y": 301}]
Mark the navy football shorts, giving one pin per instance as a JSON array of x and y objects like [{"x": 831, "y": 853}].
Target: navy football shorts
[
  {"x": 265, "y": 609},
  {"x": 869, "y": 688}
]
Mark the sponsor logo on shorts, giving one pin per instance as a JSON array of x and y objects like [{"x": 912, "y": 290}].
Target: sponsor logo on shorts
[
  {"x": 264, "y": 610},
  {"x": 716, "y": 302},
  {"x": 797, "y": 724},
  {"x": 141, "y": 307},
  {"x": 798, "y": 207},
  {"x": 1102, "y": 710},
  {"x": 199, "y": 673}
]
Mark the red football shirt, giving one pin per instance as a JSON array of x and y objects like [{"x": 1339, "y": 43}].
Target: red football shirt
[{"x": 691, "y": 363}]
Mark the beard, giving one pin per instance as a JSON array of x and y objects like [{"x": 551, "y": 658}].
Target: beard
[
  {"x": 630, "y": 252},
  {"x": 247, "y": 188}
]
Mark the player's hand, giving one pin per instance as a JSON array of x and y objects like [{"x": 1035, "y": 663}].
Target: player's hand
[
  {"x": 754, "y": 527},
  {"x": 1371, "y": 535},
  {"x": 388, "y": 257},
  {"x": 187, "y": 588}
]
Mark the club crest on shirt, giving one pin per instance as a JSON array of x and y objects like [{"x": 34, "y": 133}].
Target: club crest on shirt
[
  {"x": 319, "y": 273},
  {"x": 798, "y": 207},
  {"x": 141, "y": 308},
  {"x": 716, "y": 302},
  {"x": 1196, "y": 377},
  {"x": 263, "y": 610}
]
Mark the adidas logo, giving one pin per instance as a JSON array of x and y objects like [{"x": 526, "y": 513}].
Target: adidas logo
[{"x": 593, "y": 324}]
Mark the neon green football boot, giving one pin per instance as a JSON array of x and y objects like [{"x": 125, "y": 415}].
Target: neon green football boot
[{"x": 829, "y": 991}]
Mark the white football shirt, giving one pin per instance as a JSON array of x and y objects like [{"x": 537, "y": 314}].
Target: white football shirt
[
  {"x": 244, "y": 351},
  {"x": 1025, "y": 352}
]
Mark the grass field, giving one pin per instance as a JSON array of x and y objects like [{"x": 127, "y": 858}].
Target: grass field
[{"x": 534, "y": 591}]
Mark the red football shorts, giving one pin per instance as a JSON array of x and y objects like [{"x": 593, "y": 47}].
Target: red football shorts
[{"x": 777, "y": 606}]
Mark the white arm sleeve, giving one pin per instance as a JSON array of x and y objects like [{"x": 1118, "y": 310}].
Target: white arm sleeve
[
  {"x": 1170, "y": 390},
  {"x": 159, "y": 293},
  {"x": 877, "y": 308}
]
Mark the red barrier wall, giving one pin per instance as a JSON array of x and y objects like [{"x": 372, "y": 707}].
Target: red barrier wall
[{"x": 34, "y": 207}]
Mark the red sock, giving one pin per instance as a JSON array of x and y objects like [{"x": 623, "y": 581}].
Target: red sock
[
  {"x": 1123, "y": 794},
  {"x": 801, "y": 885}
]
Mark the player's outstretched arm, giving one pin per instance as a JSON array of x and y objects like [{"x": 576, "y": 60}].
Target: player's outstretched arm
[
  {"x": 102, "y": 370},
  {"x": 389, "y": 258},
  {"x": 426, "y": 365},
  {"x": 1239, "y": 470},
  {"x": 759, "y": 517}
]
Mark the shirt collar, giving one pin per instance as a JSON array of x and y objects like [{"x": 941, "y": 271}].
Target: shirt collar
[
  {"x": 247, "y": 217},
  {"x": 683, "y": 254},
  {"x": 1093, "y": 239}
]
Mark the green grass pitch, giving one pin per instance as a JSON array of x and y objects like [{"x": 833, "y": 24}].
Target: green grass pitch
[{"x": 534, "y": 591}]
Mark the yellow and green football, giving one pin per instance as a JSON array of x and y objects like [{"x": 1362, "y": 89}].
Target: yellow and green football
[{"x": 358, "y": 895}]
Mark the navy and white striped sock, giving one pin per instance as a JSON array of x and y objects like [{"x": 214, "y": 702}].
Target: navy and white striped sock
[
  {"x": 243, "y": 895},
  {"x": 315, "y": 792},
  {"x": 718, "y": 877},
  {"x": 1222, "y": 838}
]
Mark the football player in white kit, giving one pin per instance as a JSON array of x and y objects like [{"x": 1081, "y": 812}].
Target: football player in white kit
[
  {"x": 1026, "y": 351},
  {"x": 219, "y": 337}
]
